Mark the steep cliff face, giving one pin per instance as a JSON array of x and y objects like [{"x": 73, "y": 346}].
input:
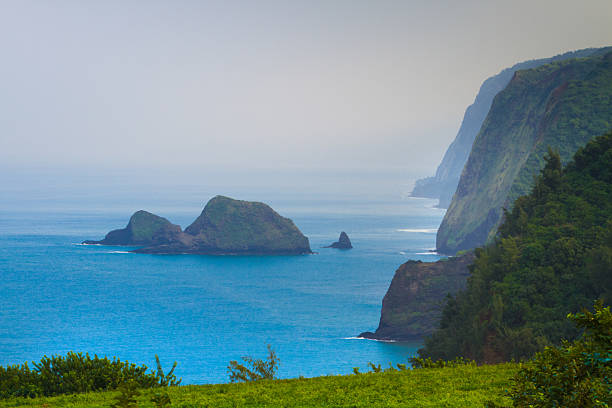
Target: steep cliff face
[
  {"x": 444, "y": 183},
  {"x": 560, "y": 105},
  {"x": 411, "y": 309},
  {"x": 143, "y": 228}
]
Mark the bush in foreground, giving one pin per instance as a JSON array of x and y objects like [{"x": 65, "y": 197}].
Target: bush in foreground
[
  {"x": 577, "y": 374},
  {"x": 253, "y": 369},
  {"x": 78, "y": 373}
]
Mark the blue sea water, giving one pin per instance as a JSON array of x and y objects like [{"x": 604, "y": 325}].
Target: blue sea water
[{"x": 203, "y": 311}]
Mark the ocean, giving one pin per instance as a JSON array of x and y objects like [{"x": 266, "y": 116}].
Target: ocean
[{"x": 203, "y": 311}]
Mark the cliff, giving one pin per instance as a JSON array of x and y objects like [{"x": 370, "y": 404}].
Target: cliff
[
  {"x": 143, "y": 228},
  {"x": 444, "y": 183},
  {"x": 562, "y": 105},
  {"x": 234, "y": 227},
  {"x": 412, "y": 306}
]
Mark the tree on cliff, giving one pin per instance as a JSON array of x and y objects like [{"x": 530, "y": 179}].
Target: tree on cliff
[{"x": 553, "y": 255}]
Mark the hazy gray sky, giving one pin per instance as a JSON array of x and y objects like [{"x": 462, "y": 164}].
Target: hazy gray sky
[{"x": 238, "y": 85}]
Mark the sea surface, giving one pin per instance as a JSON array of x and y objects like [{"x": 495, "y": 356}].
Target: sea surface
[{"x": 203, "y": 311}]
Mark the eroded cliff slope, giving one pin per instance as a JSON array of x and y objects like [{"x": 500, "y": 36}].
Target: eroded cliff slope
[
  {"x": 560, "y": 105},
  {"x": 412, "y": 306},
  {"x": 444, "y": 183}
]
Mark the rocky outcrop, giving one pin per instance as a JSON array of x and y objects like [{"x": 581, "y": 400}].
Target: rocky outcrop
[
  {"x": 234, "y": 227},
  {"x": 444, "y": 183},
  {"x": 561, "y": 105},
  {"x": 225, "y": 227},
  {"x": 343, "y": 242},
  {"x": 143, "y": 228},
  {"x": 412, "y": 306}
]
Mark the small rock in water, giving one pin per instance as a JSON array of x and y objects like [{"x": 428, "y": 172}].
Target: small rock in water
[{"x": 343, "y": 242}]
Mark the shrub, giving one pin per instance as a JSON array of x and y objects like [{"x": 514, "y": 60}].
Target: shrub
[
  {"x": 577, "y": 374},
  {"x": 77, "y": 373},
  {"x": 166, "y": 380},
  {"x": 161, "y": 400},
  {"x": 128, "y": 392},
  {"x": 418, "y": 362},
  {"x": 259, "y": 369}
]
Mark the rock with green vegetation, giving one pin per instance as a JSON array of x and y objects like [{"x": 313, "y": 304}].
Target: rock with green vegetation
[
  {"x": 561, "y": 105},
  {"x": 553, "y": 256},
  {"x": 412, "y": 307},
  {"x": 143, "y": 228},
  {"x": 234, "y": 227},
  {"x": 444, "y": 183}
]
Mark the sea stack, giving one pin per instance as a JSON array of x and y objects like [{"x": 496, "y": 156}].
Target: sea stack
[{"x": 343, "y": 242}]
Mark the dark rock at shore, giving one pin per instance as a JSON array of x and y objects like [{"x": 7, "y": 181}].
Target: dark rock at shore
[
  {"x": 234, "y": 227},
  {"x": 412, "y": 306},
  {"x": 143, "y": 228},
  {"x": 343, "y": 242}
]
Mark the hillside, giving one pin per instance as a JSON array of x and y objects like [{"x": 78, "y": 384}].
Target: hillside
[
  {"x": 562, "y": 105},
  {"x": 463, "y": 386},
  {"x": 553, "y": 256},
  {"x": 444, "y": 183}
]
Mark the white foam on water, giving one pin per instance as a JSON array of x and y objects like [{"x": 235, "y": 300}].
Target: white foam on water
[
  {"x": 421, "y": 230},
  {"x": 364, "y": 338}
]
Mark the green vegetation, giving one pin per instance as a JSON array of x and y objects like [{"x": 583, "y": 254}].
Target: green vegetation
[
  {"x": 144, "y": 226},
  {"x": 460, "y": 386},
  {"x": 563, "y": 104},
  {"x": 259, "y": 369},
  {"x": 553, "y": 256},
  {"x": 78, "y": 373},
  {"x": 577, "y": 374},
  {"x": 128, "y": 394}
]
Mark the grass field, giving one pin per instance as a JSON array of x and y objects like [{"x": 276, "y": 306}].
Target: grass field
[{"x": 463, "y": 386}]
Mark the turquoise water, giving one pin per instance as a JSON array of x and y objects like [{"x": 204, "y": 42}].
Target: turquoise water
[{"x": 203, "y": 311}]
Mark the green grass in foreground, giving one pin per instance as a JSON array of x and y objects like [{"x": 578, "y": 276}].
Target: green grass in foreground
[{"x": 463, "y": 386}]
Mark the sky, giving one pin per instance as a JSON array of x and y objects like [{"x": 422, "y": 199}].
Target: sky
[{"x": 247, "y": 88}]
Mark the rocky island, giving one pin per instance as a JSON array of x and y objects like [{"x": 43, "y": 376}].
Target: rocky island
[
  {"x": 226, "y": 227},
  {"x": 343, "y": 242}
]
